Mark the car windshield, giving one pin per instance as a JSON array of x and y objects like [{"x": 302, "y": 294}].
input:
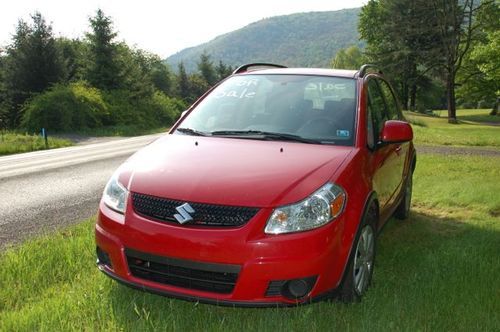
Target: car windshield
[{"x": 309, "y": 109}]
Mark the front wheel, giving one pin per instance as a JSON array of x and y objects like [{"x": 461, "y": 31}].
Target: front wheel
[{"x": 361, "y": 262}]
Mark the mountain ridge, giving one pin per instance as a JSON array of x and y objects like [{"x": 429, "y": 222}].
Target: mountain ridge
[{"x": 302, "y": 39}]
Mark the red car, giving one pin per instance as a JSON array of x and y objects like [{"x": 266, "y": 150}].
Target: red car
[{"x": 270, "y": 190}]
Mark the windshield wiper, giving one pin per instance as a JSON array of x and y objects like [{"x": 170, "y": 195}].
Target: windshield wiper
[
  {"x": 265, "y": 135},
  {"x": 191, "y": 131}
]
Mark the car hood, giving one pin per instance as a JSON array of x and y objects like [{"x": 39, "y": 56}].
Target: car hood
[{"x": 229, "y": 171}]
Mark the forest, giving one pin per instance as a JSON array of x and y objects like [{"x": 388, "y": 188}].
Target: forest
[
  {"x": 438, "y": 55},
  {"x": 67, "y": 85}
]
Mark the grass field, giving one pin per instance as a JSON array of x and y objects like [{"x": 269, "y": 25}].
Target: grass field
[
  {"x": 438, "y": 271},
  {"x": 472, "y": 115},
  {"x": 474, "y": 128},
  {"x": 11, "y": 142}
]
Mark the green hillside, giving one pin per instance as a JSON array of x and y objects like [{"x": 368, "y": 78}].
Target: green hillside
[{"x": 305, "y": 39}]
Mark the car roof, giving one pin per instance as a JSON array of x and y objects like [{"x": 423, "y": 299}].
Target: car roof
[{"x": 304, "y": 71}]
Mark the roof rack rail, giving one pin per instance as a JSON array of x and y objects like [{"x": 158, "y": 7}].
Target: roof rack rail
[
  {"x": 259, "y": 65},
  {"x": 364, "y": 68}
]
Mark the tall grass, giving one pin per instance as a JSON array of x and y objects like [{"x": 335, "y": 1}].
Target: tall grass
[
  {"x": 13, "y": 142},
  {"x": 437, "y": 271}
]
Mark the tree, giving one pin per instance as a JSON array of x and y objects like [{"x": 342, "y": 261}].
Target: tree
[
  {"x": 479, "y": 78},
  {"x": 103, "y": 70},
  {"x": 454, "y": 21},
  {"x": 161, "y": 76},
  {"x": 33, "y": 63},
  {"x": 206, "y": 69},
  {"x": 348, "y": 58},
  {"x": 223, "y": 70},
  {"x": 135, "y": 72},
  {"x": 74, "y": 57},
  {"x": 398, "y": 37},
  {"x": 198, "y": 86},
  {"x": 183, "y": 85},
  {"x": 412, "y": 39},
  {"x": 3, "y": 93}
]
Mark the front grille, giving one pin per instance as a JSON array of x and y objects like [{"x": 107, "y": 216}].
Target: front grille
[
  {"x": 216, "y": 278},
  {"x": 163, "y": 209}
]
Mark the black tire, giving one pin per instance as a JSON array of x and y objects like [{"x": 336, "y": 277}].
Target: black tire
[
  {"x": 403, "y": 210},
  {"x": 351, "y": 290}
]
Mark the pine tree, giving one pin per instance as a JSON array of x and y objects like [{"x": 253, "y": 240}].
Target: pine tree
[
  {"x": 161, "y": 77},
  {"x": 74, "y": 56},
  {"x": 223, "y": 70},
  {"x": 183, "y": 85},
  {"x": 398, "y": 37},
  {"x": 3, "y": 93},
  {"x": 206, "y": 69},
  {"x": 103, "y": 70},
  {"x": 33, "y": 63}
]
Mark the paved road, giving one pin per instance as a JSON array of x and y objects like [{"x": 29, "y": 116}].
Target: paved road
[{"x": 45, "y": 190}]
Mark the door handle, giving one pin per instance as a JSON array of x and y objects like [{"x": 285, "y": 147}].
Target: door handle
[{"x": 398, "y": 149}]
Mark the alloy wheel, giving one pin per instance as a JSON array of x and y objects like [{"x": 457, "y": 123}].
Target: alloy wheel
[{"x": 363, "y": 259}]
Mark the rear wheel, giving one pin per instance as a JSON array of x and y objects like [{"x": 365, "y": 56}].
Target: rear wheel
[
  {"x": 403, "y": 210},
  {"x": 359, "y": 271}
]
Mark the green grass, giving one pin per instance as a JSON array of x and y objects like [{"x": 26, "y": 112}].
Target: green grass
[
  {"x": 438, "y": 271},
  {"x": 474, "y": 129},
  {"x": 12, "y": 142}
]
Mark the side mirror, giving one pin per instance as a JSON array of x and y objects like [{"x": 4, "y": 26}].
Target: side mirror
[{"x": 395, "y": 131}]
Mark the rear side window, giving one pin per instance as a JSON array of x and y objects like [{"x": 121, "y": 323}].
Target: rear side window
[
  {"x": 377, "y": 113},
  {"x": 392, "y": 106},
  {"x": 382, "y": 106}
]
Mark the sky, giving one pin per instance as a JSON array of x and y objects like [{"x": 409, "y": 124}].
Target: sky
[{"x": 159, "y": 26}]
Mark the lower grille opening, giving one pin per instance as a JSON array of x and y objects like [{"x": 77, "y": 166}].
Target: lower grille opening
[{"x": 216, "y": 278}]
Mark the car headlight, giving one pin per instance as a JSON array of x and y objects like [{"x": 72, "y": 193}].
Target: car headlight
[
  {"x": 320, "y": 208},
  {"x": 115, "y": 195}
]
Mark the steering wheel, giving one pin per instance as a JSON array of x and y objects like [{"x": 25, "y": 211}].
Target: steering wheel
[{"x": 318, "y": 126}]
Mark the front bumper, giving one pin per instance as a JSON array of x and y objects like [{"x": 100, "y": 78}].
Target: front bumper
[
  {"x": 261, "y": 261},
  {"x": 231, "y": 303}
]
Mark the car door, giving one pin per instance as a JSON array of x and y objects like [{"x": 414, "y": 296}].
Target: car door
[
  {"x": 402, "y": 149},
  {"x": 385, "y": 158}
]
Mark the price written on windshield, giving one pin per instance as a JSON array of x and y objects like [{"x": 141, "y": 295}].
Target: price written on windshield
[{"x": 244, "y": 89}]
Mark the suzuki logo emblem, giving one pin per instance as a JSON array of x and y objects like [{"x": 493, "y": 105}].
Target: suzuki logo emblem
[{"x": 184, "y": 213}]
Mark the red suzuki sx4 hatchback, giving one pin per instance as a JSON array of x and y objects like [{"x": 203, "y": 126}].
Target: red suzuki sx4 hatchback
[{"x": 269, "y": 190}]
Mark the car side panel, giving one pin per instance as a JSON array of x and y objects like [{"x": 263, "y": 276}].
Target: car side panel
[{"x": 354, "y": 177}]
